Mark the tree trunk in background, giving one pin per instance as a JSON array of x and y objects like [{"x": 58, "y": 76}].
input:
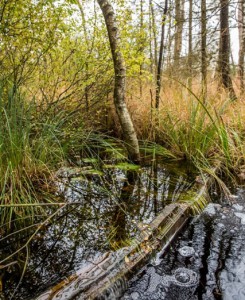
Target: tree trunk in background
[
  {"x": 160, "y": 60},
  {"x": 170, "y": 40},
  {"x": 141, "y": 42},
  {"x": 224, "y": 49},
  {"x": 176, "y": 36},
  {"x": 86, "y": 90},
  {"x": 204, "y": 48},
  {"x": 150, "y": 37},
  {"x": 179, "y": 19},
  {"x": 190, "y": 44},
  {"x": 126, "y": 123},
  {"x": 241, "y": 31},
  {"x": 154, "y": 34}
]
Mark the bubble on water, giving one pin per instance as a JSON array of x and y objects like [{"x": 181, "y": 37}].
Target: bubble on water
[
  {"x": 185, "y": 277},
  {"x": 186, "y": 251},
  {"x": 182, "y": 277},
  {"x": 135, "y": 296}
]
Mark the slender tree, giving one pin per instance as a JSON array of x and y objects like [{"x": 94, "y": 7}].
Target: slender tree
[
  {"x": 154, "y": 31},
  {"x": 190, "y": 43},
  {"x": 224, "y": 49},
  {"x": 160, "y": 60},
  {"x": 141, "y": 49},
  {"x": 204, "y": 47},
  {"x": 86, "y": 90},
  {"x": 241, "y": 31},
  {"x": 125, "y": 120},
  {"x": 150, "y": 37},
  {"x": 170, "y": 38},
  {"x": 179, "y": 19}
]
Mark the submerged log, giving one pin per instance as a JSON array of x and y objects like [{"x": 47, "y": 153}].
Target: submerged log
[
  {"x": 113, "y": 269},
  {"x": 106, "y": 277}
]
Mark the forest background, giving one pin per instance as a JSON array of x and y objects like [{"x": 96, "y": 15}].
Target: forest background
[{"x": 185, "y": 87}]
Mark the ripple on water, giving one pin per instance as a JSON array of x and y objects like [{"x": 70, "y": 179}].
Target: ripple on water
[
  {"x": 186, "y": 251},
  {"x": 215, "y": 268},
  {"x": 158, "y": 285}
]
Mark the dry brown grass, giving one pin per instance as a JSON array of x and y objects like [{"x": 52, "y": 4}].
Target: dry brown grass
[{"x": 177, "y": 101}]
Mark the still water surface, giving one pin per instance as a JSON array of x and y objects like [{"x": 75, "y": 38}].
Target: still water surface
[{"x": 110, "y": 209}]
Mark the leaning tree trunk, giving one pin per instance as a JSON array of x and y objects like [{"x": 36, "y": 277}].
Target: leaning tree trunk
[
  {"x": 224, "y": 49},
  {"x": 241, "y": 29},
  {"x": 126, "y": 123}
]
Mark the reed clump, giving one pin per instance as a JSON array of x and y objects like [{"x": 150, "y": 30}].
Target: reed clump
[
  {"x": 35, "y": 140},
  {"x": 206, "y": 132},
  {"x": 26, "y": 157}
]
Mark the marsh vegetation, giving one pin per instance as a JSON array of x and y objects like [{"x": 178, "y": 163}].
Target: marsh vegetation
[{"x": 94, "y": 95}]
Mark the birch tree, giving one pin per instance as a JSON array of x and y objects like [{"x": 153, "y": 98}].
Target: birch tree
[{"x": 129, "y": 133}]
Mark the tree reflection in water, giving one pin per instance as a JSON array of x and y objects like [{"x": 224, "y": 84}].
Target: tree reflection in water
[{"x": 111, "y": 209}]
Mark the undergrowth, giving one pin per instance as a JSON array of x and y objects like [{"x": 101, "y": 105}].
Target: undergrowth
[
  {"x": 35, "y": 141},
  {"x": 207, "y": 134},
  {"x": 26, "y": 157}
]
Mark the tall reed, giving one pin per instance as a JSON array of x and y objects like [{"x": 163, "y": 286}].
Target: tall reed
[
  {"x": 25, "y": 156},
  {"x": 203, "y": 137}
]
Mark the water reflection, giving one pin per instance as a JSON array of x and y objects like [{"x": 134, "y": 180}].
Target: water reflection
[
  {"x": 212, "y": 247},
  {"x": 108, "y": 213}
]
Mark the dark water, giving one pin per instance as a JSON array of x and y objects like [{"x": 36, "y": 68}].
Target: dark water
[
  {"x": 109, "y": 211},
  {"x": 206, "y": 262}
]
